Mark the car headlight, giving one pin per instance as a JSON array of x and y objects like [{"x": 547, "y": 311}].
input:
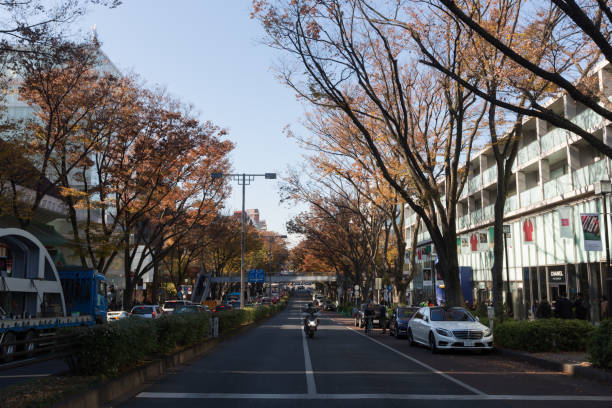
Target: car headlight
[
  {"x": 487, "y": 332},
  {"x": 443, "y": 332}
]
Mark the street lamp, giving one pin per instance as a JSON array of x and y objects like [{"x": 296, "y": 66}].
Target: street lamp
[
  {"x": 243, "y": 180},
  {"x": 604, "y": 187}
]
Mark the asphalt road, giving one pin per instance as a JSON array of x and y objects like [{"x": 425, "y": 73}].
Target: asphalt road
[
  {"x": 275, "y": 365},
  {"x": 15, "y": 372}
]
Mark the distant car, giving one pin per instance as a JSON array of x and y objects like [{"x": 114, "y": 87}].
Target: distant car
[
  {"x": 398, "y": 324},
  {"x": 223, "y": 307},
  {"x": 329, "y": 306},
  {"x": 116, "y": 315},
  {"x": 448, "y": 328},
  {"x": 170, "y": 305},
  {"x": 147, "y": 311},
  {"x": 191, "y": 309}
]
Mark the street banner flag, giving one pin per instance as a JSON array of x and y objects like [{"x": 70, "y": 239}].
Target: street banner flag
[
  {"x": 483, "y": 241},
  {"x": 491, "y": 237},
  {"x": 565, "y": 222},
  {"x": 474, "y": 242},
  {"x": 591, "y": 231},
  {"x": 465, "y": 245},
  {"x": 528, "y": 231}
]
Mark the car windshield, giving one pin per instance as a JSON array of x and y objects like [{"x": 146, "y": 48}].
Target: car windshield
[
  {"x": 172, "y": 305},
  {"x": 142, "y": 310},
  {"x": 451, "y": 315},
  {"x": 405, "y": 313}
]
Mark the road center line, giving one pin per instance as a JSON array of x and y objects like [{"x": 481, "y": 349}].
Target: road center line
[
  {"x": 426, "y": 397},
  {"x": 310, "y": 381},
  {"x": 414, "y": 360}
]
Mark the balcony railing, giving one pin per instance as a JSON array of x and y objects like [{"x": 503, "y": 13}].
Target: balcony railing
[
  {"x": 476, "y": 216},
  {"x": 510, "y": 204},
  {"x": 463, "y": 221},
  {"x": 587, "y": 119},
  {"x": 528, "y": 152},
  {"x": 474, "y": 183},
  {"x": 531, "y": 196},
  {"x": 489, "y": 212},
  {"x": 556, "y": 187},
  {"x": 587, "y": 175},
  {"x": 489, "y": 175},
  {"x": 553, "y": 138}
]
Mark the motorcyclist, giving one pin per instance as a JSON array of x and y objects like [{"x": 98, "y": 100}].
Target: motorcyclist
[{"x": 312, "y": 312}]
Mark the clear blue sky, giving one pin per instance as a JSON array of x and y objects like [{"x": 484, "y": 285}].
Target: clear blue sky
[{"x": 208, "y": 53}]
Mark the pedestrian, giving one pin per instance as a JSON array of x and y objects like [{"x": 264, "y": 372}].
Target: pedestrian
[
  {"x": 563, "y": 308},
  {"x": 604, "y": 307},
  {"x": 544, "y": 311},
  {"x": 383, "y": 318},
  {"x": 429, "y": 303},
  {"x": 581, "y": 308}
]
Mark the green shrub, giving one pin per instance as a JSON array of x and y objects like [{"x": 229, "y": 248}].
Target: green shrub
[
  {"x": 600, "y": 345},
  {"x": 110, "y": 348},
  {"x": 543, "y": 335}
]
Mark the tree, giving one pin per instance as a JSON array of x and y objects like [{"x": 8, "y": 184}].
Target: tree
[{"x": 356, "y": 65}]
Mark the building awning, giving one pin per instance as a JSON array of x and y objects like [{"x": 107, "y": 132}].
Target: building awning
[{"x": 46, "y": 234}]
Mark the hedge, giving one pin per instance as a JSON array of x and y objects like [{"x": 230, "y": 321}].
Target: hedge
[
  {"x": 600, "y": 345},
  {"x": 543, "y": 335},
  {"x": 108, "y": 349}
]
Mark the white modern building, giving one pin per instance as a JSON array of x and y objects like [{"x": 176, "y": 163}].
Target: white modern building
[{"x": 554, "y": 173}]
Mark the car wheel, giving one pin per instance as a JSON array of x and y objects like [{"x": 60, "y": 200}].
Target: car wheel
[
  {"x": 7, "y": 351},
  {"x": 432, "y": 343},
  {"x": 410, "y": 338}
]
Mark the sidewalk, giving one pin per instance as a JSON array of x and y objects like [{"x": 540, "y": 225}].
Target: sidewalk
[{"x": 572, "y": 363}]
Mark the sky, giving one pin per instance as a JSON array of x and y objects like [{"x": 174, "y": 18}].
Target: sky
[{"x": 209, "y": 53}]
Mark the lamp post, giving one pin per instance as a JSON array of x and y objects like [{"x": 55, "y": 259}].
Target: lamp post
[
  {"x": 603, "y": 188},
  {"x": 243, "y": 180},
  {"x": 506, "y": 230}
]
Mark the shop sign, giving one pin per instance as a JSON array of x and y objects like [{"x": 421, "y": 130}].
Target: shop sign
[
  {"x": 556, "y": 276},
  {"x": 591, "y": 231}
]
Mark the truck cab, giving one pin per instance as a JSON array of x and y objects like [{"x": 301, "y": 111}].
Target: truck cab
[{"x": 84, "y": 292}]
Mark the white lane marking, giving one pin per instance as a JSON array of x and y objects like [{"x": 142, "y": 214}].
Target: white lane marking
[
  {"x": 430, "y": 397},
  {"x": 366, "y": 372},
  {"x": 310, "y": 381},
  {"x": 427, "y": 366}
]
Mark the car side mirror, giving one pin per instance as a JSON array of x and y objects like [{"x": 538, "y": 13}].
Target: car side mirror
[
  {"x": 477, "y": 318},
  {"x": 425, "y": 319}
]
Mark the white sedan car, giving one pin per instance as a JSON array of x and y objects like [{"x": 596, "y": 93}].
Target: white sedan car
[{"x": 448, "y": 328}]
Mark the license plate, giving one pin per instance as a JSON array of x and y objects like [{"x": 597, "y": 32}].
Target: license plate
[{"x": 468, "y": 343}]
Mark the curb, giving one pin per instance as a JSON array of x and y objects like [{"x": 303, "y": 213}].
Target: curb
[
  {"x": 574, "y": 370},
  {"x": 133, "y": 380}
]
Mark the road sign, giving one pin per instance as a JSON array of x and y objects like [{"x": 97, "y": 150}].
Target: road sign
[
  {"x": 257, "y": 276},
  {"x": 378, "y": 283},
  {"x": 507, "y": 229}
]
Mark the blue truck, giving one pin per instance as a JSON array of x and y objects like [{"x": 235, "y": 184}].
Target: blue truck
[{"x": 36, "y": 298}]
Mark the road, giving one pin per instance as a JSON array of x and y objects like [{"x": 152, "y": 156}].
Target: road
[
  {"x": 16, "y": 372},
  {"x": 275, "y": 365}
]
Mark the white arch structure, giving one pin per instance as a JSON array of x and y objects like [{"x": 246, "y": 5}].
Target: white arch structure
[{"x": 33, "y": 270}]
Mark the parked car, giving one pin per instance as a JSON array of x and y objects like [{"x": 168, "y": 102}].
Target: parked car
[
  {"x": 398, "y": 323},
  {"x": 329, "y": 306},
  {"x": 147, "y": 311},
  {"x": 116, "y": 315},
  {"x": 191, "y": 309},
  {"x": 448, "y": 328},
  {"x": 360, "y": 314},
  {"x": 223, "y": 307},
  {"x": 170, "y": 305}
]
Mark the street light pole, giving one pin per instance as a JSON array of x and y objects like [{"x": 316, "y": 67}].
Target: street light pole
[
  {"x": 506, "y": 230},
  {"x": 243, "y": 180}
]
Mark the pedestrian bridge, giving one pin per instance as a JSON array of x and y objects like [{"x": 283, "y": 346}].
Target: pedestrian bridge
[{"x": 280, "y": 278}]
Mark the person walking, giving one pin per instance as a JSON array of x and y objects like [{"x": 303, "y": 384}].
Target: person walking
[
  {"x": 563, "y": 308},
  {"x": 581, "y": 308},
  {"x": 383, "y": 318},
  {"x": 544, "y": 311}
]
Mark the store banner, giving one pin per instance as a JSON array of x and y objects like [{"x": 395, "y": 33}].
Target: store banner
[
  {"x": 474, "y": 242},
  {"x": 565, "y": 222},
  {"x": 591, "y": 231},
  {"x": 465, "y": 245},
  {"x": 529, "y": 231},
  {"x": 483, "y": 241}
]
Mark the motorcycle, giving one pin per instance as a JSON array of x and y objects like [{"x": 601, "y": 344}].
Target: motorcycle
[{"x": 310, "y": 325}]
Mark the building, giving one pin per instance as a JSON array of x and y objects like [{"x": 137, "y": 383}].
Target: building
[
  {"x": 252, "y": 218},
  {"x": 551, "y": 187}
]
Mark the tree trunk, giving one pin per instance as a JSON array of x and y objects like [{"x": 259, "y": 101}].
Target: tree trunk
[
  {"x": 449, "y": 266},
  {"x": 498, "y": 243}
]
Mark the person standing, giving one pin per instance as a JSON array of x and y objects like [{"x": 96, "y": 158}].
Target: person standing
[
  {"x": 580, "y": 308},
  {"x": 383, "y": 318},
  {"x": 604, "y": 307}
]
